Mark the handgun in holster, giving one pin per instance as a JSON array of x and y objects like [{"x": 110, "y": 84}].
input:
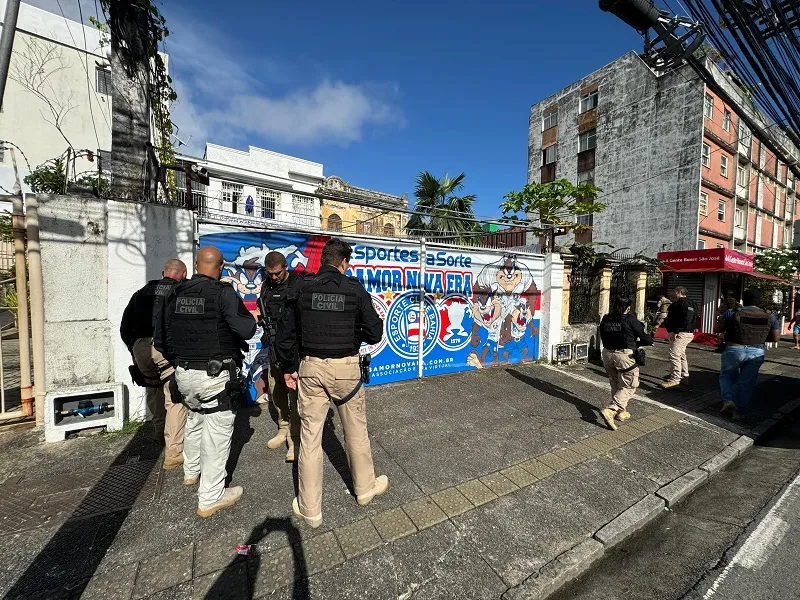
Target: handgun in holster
[
  {"x": 236, "y": 386},
  {"x": 139, "y": 379},
  {"x": 363, "y": 365}
]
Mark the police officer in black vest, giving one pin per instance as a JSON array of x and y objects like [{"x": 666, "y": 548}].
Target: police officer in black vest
[
  {"x": 150, "y": 368},
  {"x": 205, "y": 331},
  {"x": 622, "y": 334},
  {"x": 280, "y": 285},
  {"x": 322, "y": 331}
]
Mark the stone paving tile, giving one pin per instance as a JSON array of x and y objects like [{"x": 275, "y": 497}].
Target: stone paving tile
[
  {"x": 569, "y": 455},
  {"x": 498, "y": 483},
  {"x": 426, "y": 513},
  {"x": 519, "y": 476},
  {"x": 537, "y": 469},
  {"x": 275, "y": 570},
  {"x": 216, "y": 553},
  {"x": 595, "y": 444},
  {"x": 584, "y": 449},
  {"x": 321, "y": 552},
  {"x": 452, "y": 502},
  {"x": 635, "y": 424},
  {"x": 358, "y": 537},
  {"x": 553, "y": 461},
  {"x": 228, "y": 583},
  {"x": 476, "y": 492},
  {"x": 393, "y": 524},
  {"x": 117, "y": 583},
  {"x": 164, "y": 571}
]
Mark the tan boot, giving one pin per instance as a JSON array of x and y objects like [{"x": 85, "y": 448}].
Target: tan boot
[
  {"x": 379, "y": 487},
  {"x": 608, "y": 416},
  {"x": 623, "y": 415},
  {"x": 294, "y": 450},
  {"x": 279, "y": 440},
  {"x": 728, "y": 408},
  {"x": 173, "y": 462},
  {"x": 313, "y": 522},
  {"x": 191, "y": 480},
  {"x": 670, "y": 383},
  {"x": 229, "y": 497}
]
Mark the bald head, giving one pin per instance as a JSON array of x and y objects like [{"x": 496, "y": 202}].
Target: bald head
[
  {"x": 174, "y": 269},
  {"x": 209, "y": 262}
]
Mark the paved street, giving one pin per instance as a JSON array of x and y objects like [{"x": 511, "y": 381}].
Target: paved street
[
  {"x": 494, "y": 474},
  {"x": 734, "y": 539}
]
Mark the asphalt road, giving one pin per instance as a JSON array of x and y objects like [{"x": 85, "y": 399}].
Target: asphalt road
[{"x": 736, "y": 538}]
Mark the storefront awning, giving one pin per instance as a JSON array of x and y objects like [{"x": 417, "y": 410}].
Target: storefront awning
[
  {"x": 715, "y": 260},
  {"x": 765, "y": 276}
]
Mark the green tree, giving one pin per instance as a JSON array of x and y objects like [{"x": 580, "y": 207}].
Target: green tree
[
  {"x": 554, "y": 205},
  {"x": 441, "y": 214}
]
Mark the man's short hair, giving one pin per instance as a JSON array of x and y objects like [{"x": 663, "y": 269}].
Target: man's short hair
[
  {"x": 335, "y": 251},
  {"x": 275, "y": 259},
  {"x": 751, "y": 297},
  {"x": 174, "y": 264},
  {"x": 681, "y": 290}
]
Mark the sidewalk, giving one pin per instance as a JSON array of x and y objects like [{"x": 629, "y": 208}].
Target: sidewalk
[{"x": 494, "y": 474}]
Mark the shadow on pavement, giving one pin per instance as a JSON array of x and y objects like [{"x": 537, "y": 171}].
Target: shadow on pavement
[
  {"x": 588, "y": 411},
  {"x": 231, "y": 583},
  {"x": 336, "y": 453},
  {"x": 73, "y": 554},
  {"x": 242, "y": 433}
]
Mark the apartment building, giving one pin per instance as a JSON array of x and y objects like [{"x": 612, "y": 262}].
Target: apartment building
[
  {"x": 58, "y": 94},
  {"x": 680, "y": 167}
]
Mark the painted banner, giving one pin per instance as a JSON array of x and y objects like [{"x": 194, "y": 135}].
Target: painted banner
[{"x": 481, "y": 307}]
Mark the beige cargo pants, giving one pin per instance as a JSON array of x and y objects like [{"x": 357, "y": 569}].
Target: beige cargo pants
[
  {"x": 320, "y": 380},
  {"x": 169, "y": 419},
  {"x": 677, "y": 355},
  {"x": 624, "y": 383},
  {"x": 285, "y": 401}
]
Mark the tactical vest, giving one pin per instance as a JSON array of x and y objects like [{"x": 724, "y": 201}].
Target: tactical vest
[
  {"x": 275, "y": 299},
  {"x": 199, "y": 330},
  {"x": 690, "y": 321},
  {"x": 148, "y": 302},
  {"x": 749, "y": 327},
  {"x": 612, "y": 333},
  {"x": 328, "y": 306}
]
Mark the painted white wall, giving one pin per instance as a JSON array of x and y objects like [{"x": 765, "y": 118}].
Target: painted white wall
[
  {"x": 23, "y": 120},
  {"x": 552, "y": 300},
  {"x": 95, "y": 255}
]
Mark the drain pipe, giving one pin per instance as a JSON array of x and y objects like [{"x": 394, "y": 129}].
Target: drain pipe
[
  {"x": 18, "y": 231},
  {"x": 37, "y": 305}
]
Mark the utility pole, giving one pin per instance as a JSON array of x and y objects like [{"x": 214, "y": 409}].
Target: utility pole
[
  {"x": 130, "y": 119},
  {"x": 7, "y": 43}
]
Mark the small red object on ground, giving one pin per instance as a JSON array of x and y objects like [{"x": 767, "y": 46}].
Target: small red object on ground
[{"x": 243, "y": 549}]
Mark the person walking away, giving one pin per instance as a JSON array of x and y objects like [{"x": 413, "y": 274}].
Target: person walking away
[
  {"x": 680, "y": 324},
  {"x": 621, "y": 334},
  {"x": 151, "y": 369},
  {"x": 281, "y": 284},
  {"x": 662, "y": 309},
  {"x": 746, "y": 331},
  {"x": 206, "y": 328},
  {"x": 795, "y": 323},
  {"x": 323, "y": 329}
]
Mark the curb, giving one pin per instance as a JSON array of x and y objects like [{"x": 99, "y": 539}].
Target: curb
[{"x": 578, "y": 559}]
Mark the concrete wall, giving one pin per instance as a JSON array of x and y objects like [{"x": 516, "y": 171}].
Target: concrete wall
[
  {"x": 24, "y": 119},
  {"x": 95, "y": 254},
  {"x": 649, "y": 135}
]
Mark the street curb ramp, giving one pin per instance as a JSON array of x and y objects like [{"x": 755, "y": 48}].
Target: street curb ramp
[{"x": 577, "y": 560}]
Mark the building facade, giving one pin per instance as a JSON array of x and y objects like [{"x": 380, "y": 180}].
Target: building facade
[
  {"x": 679, "y": 168},
  {"x": 351, "y": 209},
  {"x": 58, "y": 94},
  {"x": 265, "y": 187}
]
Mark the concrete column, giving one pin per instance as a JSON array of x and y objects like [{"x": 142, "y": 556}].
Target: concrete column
[
  {"x": 552, "y": 303},
  {"x": 565, "y": 297},
  {"x": 639, "y": 281},
  {"x": 605, "y": 292}
]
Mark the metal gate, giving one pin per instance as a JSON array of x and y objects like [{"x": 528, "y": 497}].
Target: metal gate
[{"x": 584, "y": 294}]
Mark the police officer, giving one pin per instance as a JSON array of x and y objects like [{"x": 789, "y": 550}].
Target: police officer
[
  {"x": 680, "y": 324},
  {"x": 747, "y": 328},
  {"x": 622, "y": 334},
  {"x": 205, "y": 328},
  {"x": 323, "y": 330},
  {"x": 281, "y": 284},
  {"x": 150, "y": 368}
]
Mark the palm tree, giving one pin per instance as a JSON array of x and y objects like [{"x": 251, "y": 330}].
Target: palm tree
[{"x": 440, "y": 213}]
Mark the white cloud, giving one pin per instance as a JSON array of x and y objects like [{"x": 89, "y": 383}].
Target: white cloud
[{"x": 225, "y": 95}]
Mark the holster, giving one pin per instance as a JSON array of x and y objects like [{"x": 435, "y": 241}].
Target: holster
[
  {"x": 363, "y": 364},
  {"x": 174, "y": 393},
  {"x": 139, "y": 379}
]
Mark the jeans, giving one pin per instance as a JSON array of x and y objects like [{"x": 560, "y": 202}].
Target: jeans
[{"x": 740, "y": 364}]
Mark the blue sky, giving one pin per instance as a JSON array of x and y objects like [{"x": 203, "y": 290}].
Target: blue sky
[{"x": 378, "y": 92}]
